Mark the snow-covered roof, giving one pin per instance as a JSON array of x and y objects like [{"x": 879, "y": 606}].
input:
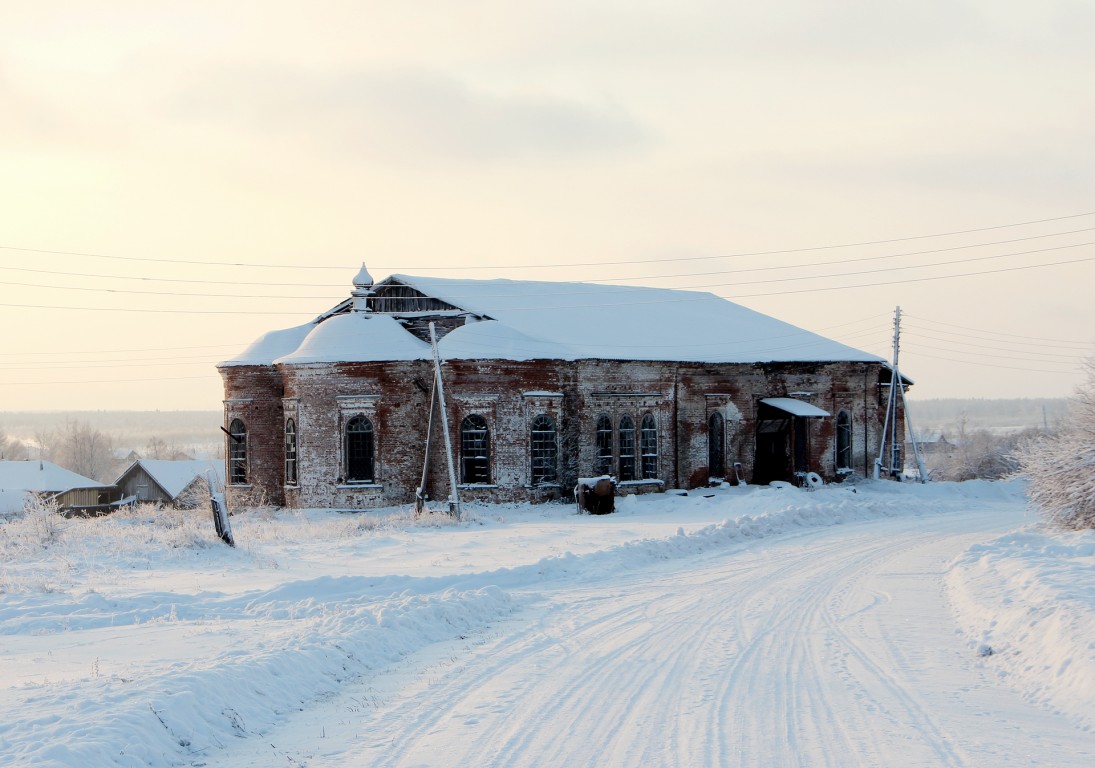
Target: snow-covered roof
[
  {"x": 527, "y": 320},
  {"x": 271, "y": 346},
  {"x": 357, "y": 337},
  {"x": 794, "y": 407},
  {"x": 174, "y": 476},
  {"x": 42, "y": 476},
  {"x": 12, "y": 501}
]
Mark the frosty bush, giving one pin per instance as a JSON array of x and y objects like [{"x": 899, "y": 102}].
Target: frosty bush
[
  {"x": 40, "y": 524},
  {"x": 1061, "y": 468},
  {"x": 979, "y": 454}
]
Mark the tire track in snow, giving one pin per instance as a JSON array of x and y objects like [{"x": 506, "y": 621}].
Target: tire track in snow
[{"x": 769, "y": 652}]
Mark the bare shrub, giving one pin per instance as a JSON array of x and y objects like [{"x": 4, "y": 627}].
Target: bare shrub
[
  {"x": 980, "y": 454},
  {"x": 38, "y": 526},
  {"x": 1061, "y": 468}
]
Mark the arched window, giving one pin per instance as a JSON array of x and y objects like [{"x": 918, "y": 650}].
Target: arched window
[
  {"x": 360, "y": 451},
  {"x": 475, "y": 450},
  {"x": 290, "y": 452},
  {"x": 603, "y": 465},
  {"x": 545, "y": 450},
  {"x": 648, "y": 447},
  {"x": 237, "y": 453},
  {"x": 716, "y": 445},
  {"x": 843, "y": 440},
  {"x": 627, "y": 448}
]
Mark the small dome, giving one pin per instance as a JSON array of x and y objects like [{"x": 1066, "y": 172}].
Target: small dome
[{"x": 363, "y": 278}]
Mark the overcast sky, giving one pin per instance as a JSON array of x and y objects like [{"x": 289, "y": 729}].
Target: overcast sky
[{"x": 147, "y": 147}]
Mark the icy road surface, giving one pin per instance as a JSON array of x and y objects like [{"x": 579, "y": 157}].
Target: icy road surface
[{"x": 830, "y": 646}]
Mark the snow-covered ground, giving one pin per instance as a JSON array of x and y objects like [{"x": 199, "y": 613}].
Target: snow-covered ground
[{"x": 892, "y": 624}]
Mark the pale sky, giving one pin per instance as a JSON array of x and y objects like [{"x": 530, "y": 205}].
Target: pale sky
[{"x": 177, "y": 178}]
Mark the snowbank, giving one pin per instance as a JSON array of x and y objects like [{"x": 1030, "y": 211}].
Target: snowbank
[{"x": 1026, "y": 601}]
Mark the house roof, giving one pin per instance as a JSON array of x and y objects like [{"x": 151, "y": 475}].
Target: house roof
[
  {"x": 42, "y": 476},
  {"x": 174, "y": 476},
  {"x": 527, "y": 320},
  {"x": 12, "y": 501}
]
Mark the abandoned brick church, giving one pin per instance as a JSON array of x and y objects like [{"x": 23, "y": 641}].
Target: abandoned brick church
[{"x": 543, "y": 383}]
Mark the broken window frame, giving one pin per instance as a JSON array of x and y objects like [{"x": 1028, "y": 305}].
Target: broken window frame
[
  {"x": 716, "y": 446},
  {"x": 627, "y": 449},
  {"x": 843, "y": 442},
  {"x": 360, "y": 450},
  {"x": 544, "y": 451},
  {"x": 290, "y": 452},
  {"x": 648, "y": 447},
  {"x": 237, "y": 452},
  {"x": 605, "y": 454},
  {"x": 474, "y": 450}
]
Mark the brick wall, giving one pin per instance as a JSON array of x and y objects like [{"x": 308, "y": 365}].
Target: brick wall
[{"x": 395, "y": 397}]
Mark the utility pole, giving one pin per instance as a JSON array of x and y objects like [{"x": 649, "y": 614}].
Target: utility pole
[
  {"x": 889, "y": 426},
  {"x": 454, "y": 498}
]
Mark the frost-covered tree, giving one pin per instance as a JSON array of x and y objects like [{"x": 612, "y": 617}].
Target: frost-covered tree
[
  {"x": 980, "y": 454},
  {"x": 82, "y": 448},
  {"x": 11, "y": 449},
  {"x": 1061, "y": 468}
]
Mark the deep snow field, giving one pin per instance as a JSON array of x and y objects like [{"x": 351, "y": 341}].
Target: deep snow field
[{"x": 919, "y": 625}]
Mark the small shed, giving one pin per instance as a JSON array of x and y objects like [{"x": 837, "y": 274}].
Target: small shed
[
  {"x": 73, "y": 492},
  {"x": 163, "y": 481}
]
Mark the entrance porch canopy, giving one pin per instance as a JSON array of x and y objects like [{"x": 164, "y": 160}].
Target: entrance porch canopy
[{"x": 795, "y": 407}]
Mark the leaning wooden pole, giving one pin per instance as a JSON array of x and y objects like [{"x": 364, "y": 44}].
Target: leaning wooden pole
[{"x": 454, "y": 498}]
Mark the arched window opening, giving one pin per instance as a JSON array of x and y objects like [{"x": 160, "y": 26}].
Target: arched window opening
[
  {"x": 360, "y": 450},
  {"x": 290, "y": 452},
  {"x": 716, "y": 446},
  {"x": 648, "y": 447},
  {"x": 843, "y": 441},
  {"x": 237, "y": 453},
  {"x": 603, "y": 464},
  {"x": 475, "y": 450},
  {"x": 545, "y": 450},
  {"x": 627, "y": 448}
]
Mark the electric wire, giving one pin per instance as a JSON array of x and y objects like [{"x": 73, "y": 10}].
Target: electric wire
[
  {"x": 678, "y": 275},
  {"x": 932, "y": 321},
  {"x": 638, "y": 289},
  {"x": 1056, "y": 372},
  {"x": 572, "y": 264},
  {"x": 976, "y": 346},
  {"x": 945, "y": 346}
]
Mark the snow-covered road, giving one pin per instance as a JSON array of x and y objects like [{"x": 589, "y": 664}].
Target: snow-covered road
[
  {"x": 829, "y": 646},
  {"x": 733, "y": 627}
]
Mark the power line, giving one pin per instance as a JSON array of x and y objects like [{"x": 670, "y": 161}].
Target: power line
[
  {"x": 869, "y": 258},
  {"x": 597, "y": 280},
  {"x": 151, "y": 311},
  {"x": 119, "y": 351},
  {"x": 557, "y": 266},
  {"x": 165, "y": 293},
  {"x": 503, "y": 294},
  {"x": 1013, "y": 355},
  {"x": 993, "y": 365},
  {"x": 702, "y": 297},
  {"x": 903, "y": 268},
  {"x": 977, "y": 344},
  {"x": 95, "y": 275},
  {"x": 103, "y": 381},
  {"x": 931, "y": 321},
  {"x": 913, "y": 279}
]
